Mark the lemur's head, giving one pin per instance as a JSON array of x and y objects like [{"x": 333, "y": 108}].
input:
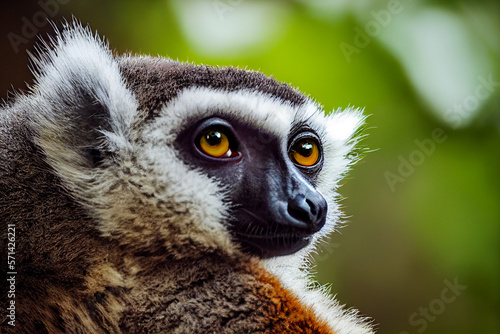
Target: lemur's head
[{"x": 168, "y": 155}]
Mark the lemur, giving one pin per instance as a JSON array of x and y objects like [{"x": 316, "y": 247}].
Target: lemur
[{"x": 147, "y": 195}]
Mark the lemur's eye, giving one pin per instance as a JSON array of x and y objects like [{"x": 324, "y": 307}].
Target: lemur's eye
[
  {"x": 215, "y": 140},
  {"x": 305, "y": 152},
  {"x": 215, "y": 143}
]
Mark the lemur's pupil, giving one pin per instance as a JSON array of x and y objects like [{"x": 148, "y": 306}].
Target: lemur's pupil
[
  {"x": 213, "y": 138},
  {"x": 306, "y": 149}
]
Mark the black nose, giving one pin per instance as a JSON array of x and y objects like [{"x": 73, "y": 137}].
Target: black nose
[{"x": 308, "y": 211}]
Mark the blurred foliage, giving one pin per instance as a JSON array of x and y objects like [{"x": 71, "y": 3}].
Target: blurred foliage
[{"x": 405, "y": 238}]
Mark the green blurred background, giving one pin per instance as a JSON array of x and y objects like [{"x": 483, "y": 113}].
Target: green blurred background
[{"x": 424, "y": 204}]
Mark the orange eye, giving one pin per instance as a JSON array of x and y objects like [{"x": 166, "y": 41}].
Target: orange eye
[
  {"x": 305, "y": 152},
  {"x": 215, "y": 144}
]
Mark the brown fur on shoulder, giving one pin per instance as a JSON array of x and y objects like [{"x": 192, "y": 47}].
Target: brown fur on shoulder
[{"x": 231, "y": 295}]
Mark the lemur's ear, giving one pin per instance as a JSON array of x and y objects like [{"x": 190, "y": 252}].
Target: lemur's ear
[{"x": 80, "y": 99}]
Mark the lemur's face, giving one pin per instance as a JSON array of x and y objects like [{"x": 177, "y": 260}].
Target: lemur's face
[
  {"x": 275, "y": 208},
  {"x": 166, "y": 154}
]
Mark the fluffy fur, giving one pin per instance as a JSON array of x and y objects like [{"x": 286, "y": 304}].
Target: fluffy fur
[{"x": 116, "y": 233}]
